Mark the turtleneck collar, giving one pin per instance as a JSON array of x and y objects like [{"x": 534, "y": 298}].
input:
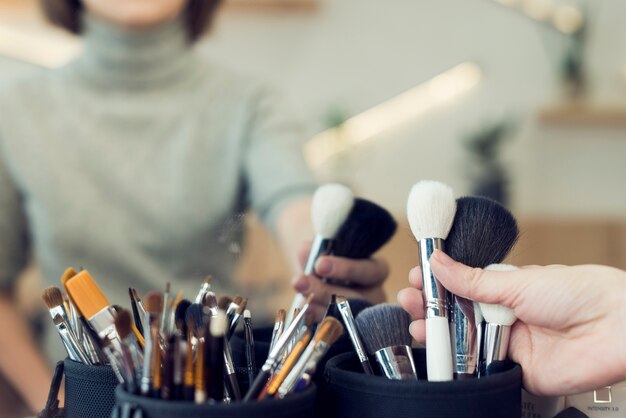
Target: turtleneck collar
[{"x": 134, "y": 59}]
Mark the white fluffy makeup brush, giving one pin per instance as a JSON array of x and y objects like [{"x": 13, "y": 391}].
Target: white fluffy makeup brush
[
  {"x": 430, "y": 210},
  {"x": 330, "y": 208},
  {"x": 498, "y": 331}
]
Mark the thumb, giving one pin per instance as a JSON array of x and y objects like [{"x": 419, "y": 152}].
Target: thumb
[{"x": 476, "y": 284}]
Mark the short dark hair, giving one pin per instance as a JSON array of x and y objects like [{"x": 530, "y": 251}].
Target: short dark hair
[{"x": 67, "y": 14}]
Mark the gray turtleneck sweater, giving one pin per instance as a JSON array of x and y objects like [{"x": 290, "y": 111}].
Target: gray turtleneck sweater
[{"x": 133, "y": 160}]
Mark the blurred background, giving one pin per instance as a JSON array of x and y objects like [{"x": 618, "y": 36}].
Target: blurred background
[{"x": 520, "y": 100}]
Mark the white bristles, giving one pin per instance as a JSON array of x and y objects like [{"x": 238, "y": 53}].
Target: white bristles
[
  {"x": 498, "y": 314},
  {"x": 247, "y": 314},
  {"x": 331, "y": 205},
  {"x": 218, "y": 324},
  {"x": 430, "y": 209}
]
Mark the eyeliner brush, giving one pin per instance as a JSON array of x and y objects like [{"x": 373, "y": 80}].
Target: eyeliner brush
[{"x": 135, "y": 309}]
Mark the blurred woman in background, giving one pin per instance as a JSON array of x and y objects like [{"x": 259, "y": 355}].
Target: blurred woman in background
[{"x": 129, "y": 160}]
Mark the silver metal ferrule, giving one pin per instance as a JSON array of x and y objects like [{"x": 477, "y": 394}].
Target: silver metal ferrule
[
  {"x": 71, "y": 345},
  {"x": 229, "y": 366},
  {"x": 397, "y": 362},
  {"x": 436, "y": 297},
  {"x": 75, "y": 323},
  {"x": 103, "y": 322},
  {"x": 348, "y": 320},
  {"x": 204, "y": 289},
  {"x": 321, "y": 246},
  {"x": 464, "y": 337},
  {"x": 496, "y": 343}
]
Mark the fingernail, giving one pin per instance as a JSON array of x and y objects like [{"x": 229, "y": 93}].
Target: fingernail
[
  {"x": 323, "y": 267},
  {"x": 302, "y": 285},
  {"x": 442, "y": 258}
]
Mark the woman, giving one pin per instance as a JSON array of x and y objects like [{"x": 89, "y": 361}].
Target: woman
[{"x": 129, "y": 160}]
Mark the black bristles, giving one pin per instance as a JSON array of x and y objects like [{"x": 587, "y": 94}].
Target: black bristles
[
  {"x": 195, "y": 313},
  {"x": 367, "y": 228},
  {"x": 384, "y": 325},
  {"x": 180, "y": 315},
  {"x": 483, "y": 232}
]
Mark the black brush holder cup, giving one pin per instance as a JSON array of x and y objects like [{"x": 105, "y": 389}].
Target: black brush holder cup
[
  {"x": 298, "y": 405},
  {"x": 89, "y": 390},
  {"x": 348, "y": 392}
]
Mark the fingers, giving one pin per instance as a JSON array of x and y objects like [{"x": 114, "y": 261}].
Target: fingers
[
  {"x": 367, "y": 272},
  {"x": 477, "y": 284},
  {"x": 417, "y": 329},
  {"x": 411, "y": 301},
  {"x": 415, "y": 277}
]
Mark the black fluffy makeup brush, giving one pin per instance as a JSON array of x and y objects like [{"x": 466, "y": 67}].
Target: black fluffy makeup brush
[
  {"x": 483, "y": 233},
  {"x": 384, "y": 329},
  {"x": 367, "y": 228}
]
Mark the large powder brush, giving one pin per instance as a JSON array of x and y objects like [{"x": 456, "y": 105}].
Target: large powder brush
[
  {"x": 483, "y": 233},
  {"x": 367, "y": 228}
]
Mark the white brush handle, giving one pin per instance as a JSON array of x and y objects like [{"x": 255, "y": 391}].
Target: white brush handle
[{"x": 438, "y": 354}]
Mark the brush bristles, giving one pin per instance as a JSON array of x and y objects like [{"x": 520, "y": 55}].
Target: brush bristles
[
  {"x": 218, "y": 324},
  {"x": 86, "y": 294},
  {"x": 498, "y": 314},
  {"x": 67, "y": 274},
  {"x": 330, "y": 208},
  {"x": 242, "y": 306},
  {"x": 210, "y": 300},
  {"x": 367, "y": 228},
  {"x": 208, "y": 279},
  {"x": 181, "y": 311},
  {"x": 195, "y": 313},
  {"x": 384, "y": 325},
  {"x": 329, "y": 330},
  {"x": 154, "y": 302},
  {"x": 52, "y": 297},
  {"x": 430, "y": 209},
  {"x": 483, "y": 232},
  {"x": 281, "y": 315},
  {"x": 237, "y": 301},
  {"x": 247, "y": 314},
  {"x": 123, "y": 323},
  {"x": 58, "y": 320},
  {"x": 223, "y": 302},
  {"x": 136, "y": 295}
]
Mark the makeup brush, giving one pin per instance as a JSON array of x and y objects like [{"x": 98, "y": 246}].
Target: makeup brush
[
  {"x": 218, "y": 328},
  {"x": 126, "y": 361},
  {"x": 180, "y": 314},
  {"x": 367, "y": 228},
  {"x": 236, "y": 318},
  {"x": 348, "y": 321},
  {"x": 139, "y": 302},
  {"x": 189, "y": 380},
  {"x": 276, "y": 380},
  {"x": 53, "y": 298},
  {"x": 249, "y": 344},
  {"x": 223, "y": 302},
  {"x": 430, "y": 210},
  {"x": 385, "y": 332},
  {"x": 154, "y": 307},
  {"x": 275, "y": 355},
  {"x": 330, "y": 208},
  {"x": 279, "y": 326},
  {"x": 206, "y": 287},
  {"x": 166, "y": 300},
  {"x": 483, "y": 233},
  {"x": 94, "y": 306},
  {"x": 200, "y": 394},
  {"x": 498, "y": 331},
  {"x": 329, "y": 330},
  {"x": 135, "y": 309},
  {"x": 210, "y": 301}
]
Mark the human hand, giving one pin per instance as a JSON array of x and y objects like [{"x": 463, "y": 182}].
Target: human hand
[
  {"x": 364, "y": 279},
  {"x": 570, "y": 336}
]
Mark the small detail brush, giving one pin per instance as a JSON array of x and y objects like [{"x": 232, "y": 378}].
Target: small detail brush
[
  {"x": 249, "y": 344},
  {"x": 430, "y": 210},
  {"x": 385, "y": 332},
  {"x": 206, "y": 287},
  {"x": 279, "y": 326},
  {"x": 348, "y": 321}
]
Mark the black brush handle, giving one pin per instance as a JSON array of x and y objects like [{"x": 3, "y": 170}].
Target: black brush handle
[
  {"x": 233, "y": 387},
  {"x": 258, "y": 385},
  {"x": 367, "y": 367},
  {"x": 136, "y": 315}
]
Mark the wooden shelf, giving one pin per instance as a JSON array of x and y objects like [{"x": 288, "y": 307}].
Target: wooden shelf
[{"x": 584, "y": 113}]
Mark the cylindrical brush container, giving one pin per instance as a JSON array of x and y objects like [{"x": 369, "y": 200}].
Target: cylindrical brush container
[
  {"x": 298, "y": 405},
  {"x": 348, "y": 392},
  {"x": 89, "y": 390}
]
